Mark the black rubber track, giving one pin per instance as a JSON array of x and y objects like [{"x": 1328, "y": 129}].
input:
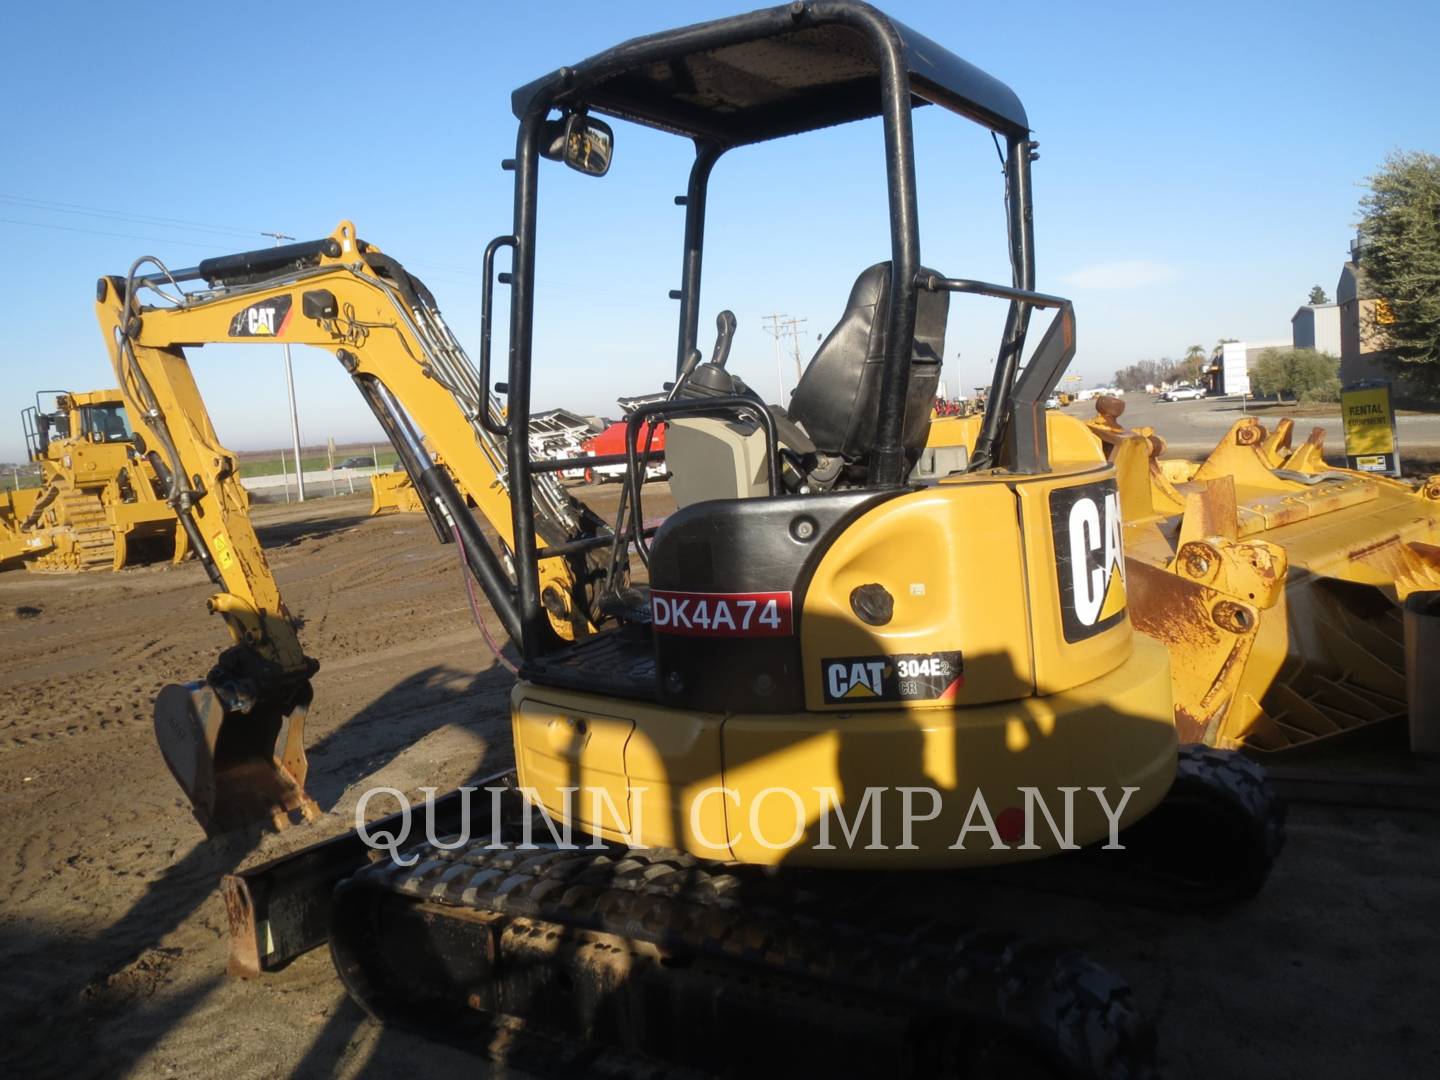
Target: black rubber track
[{"x": 979, "y": 1004}]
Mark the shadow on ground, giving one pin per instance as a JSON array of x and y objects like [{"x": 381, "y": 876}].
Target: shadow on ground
[{"x": 61, "y": 988}]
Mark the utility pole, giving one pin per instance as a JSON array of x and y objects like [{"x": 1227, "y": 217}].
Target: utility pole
[
  {"x": 774, "y": 329},
  {"x": 793, "y": 325},
  {"x": 290, "y": 386}
]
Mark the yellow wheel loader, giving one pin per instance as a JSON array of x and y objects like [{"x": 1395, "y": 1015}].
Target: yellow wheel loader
[
  {"x": 854, "y": 659},
  {"x": 99, "y": 505}
]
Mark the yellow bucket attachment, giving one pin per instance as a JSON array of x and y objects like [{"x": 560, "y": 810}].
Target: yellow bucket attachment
[
  {"x": 237, "y": 769},
  {"x": 1274, "y": 579}
]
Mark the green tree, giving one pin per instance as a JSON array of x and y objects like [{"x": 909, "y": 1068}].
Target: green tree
[
  {"x": 1193, "y": 363},
  {"x": 1145, "y": 373},
  {"x": 1318, "y": 296},
  {"x": 1400, "y": 256},
  {"x": 1304, "y": 374}
]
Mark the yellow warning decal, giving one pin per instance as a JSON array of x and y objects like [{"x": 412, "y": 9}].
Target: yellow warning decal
[{"x": 223, "y": 555}]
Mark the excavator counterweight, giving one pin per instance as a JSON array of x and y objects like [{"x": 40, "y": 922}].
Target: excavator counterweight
[{"x": 1275, "y": 581}]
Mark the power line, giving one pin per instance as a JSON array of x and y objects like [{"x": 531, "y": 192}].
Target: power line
[
  {"x": 793, "y": 326},
  {"x": 101, "y": 232},
  {"x": 465, "y": 275},
  {"x": 778, "y": 326},
  {"x": 121, "y": 215},
  {"x": 431, "y": 269},
  {"x": 774, "y": 323}
]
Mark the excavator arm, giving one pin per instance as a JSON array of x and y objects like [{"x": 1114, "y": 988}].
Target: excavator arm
[{"x": 236, "y": 741}]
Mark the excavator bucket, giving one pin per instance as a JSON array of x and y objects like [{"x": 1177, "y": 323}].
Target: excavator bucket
[
  {"x": 238, "y": 769},
  {"x": 1275, "y": 580},
  {"x": 392, "y": 492}
]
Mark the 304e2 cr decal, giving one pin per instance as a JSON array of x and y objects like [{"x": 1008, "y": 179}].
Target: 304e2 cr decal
[
  {"x": 265, "y": 319},
  {"x": 1090, "y": 562},
  {"x": 901, "y": 677},
  {"x": 748, "y": 614}
]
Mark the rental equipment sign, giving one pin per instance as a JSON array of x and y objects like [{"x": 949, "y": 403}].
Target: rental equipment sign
[{"x": 1370, "y": 442}]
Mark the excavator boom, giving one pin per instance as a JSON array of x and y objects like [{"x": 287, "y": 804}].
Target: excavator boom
[{"x": 235, "y": 741}]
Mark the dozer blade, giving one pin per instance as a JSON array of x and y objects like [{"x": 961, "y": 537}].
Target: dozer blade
[
  {"x": 237, "y": 769},
  {"x": 393, "y": 492}
]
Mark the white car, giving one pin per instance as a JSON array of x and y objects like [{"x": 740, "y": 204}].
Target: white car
[{"x": 1183, "y": 393}]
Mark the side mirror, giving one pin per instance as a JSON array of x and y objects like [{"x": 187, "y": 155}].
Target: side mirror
[{"x": 585, "y": 144}]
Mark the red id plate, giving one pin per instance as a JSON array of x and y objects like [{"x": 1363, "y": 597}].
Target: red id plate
[{"x": 743, "y": 614}]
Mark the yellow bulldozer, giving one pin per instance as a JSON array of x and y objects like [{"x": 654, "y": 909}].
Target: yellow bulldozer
[{"x": 99, "y": 504}]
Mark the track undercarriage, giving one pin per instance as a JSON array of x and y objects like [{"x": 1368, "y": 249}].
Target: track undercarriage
[{"x": 660, "y": 957}]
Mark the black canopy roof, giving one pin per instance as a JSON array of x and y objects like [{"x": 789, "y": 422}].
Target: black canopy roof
[{"x": 771, "y": 73}]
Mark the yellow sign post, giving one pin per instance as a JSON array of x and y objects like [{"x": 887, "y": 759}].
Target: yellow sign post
[{"x": 1370, "y": 441}]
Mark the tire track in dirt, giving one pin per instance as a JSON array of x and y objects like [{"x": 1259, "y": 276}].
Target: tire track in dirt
[{"x": 112, "y": 925}]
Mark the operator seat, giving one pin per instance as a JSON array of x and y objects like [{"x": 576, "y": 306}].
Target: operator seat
[{"x": 837, "y": 401}]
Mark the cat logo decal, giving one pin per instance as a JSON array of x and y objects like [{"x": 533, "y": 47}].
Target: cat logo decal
[{"x": 1090, "y": 561}]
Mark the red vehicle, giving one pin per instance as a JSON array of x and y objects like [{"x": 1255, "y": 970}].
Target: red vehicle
[{"x": 612, "y": 441}]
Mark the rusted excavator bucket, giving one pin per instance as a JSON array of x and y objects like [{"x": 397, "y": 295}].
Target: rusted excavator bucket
[
  {"x": 1275, "y": 581},
  {"x": 237, "y": 768}
]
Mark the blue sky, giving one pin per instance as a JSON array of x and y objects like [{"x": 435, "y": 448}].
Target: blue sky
[{"x": 1200, "y": 170}]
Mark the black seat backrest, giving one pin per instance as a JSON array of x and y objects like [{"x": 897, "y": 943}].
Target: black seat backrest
[{"x": 838, "y": 398}]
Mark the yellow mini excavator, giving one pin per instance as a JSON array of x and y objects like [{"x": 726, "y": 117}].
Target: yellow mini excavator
[
  {"x": 853, "y": 660},
  {"x": 98, "y": 505}
]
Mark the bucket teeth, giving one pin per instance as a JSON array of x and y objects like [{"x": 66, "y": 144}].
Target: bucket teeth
[{"x": 1274, "y": 580}]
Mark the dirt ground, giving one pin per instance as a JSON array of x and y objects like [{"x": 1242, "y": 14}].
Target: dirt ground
[{"x": 112, "y": 945}]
